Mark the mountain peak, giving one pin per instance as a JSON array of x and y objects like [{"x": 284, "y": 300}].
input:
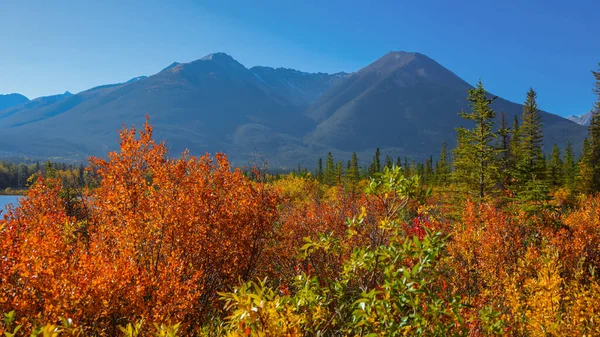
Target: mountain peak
[
  {"x": 171, "y": 66},
  {"x": 10, "y": 100},
  {"x": 218, "y": 57},
  {"x": 395, "y": 60}
]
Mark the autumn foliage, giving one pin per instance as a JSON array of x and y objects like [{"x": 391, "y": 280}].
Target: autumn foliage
[
  {"x": 198, "y": 248},
  {"x": 158, "y": 239}
]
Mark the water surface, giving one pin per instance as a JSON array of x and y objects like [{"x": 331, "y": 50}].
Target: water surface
[{"x": 8, "y": 199}]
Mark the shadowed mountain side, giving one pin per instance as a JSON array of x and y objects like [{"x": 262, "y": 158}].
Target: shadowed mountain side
[
  {"x": 10, "y": 100},
  {"x": 404, "y": 103},
  {"x": 410, "y": 102}
]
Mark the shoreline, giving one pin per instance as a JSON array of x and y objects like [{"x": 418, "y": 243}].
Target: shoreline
[{"x": 9, "y": 192}]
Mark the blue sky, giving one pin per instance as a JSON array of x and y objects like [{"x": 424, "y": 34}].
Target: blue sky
[{"x": 49, "y": 47}]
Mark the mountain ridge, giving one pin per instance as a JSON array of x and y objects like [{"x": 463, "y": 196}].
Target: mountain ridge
[{"x": 404, "y": 102}]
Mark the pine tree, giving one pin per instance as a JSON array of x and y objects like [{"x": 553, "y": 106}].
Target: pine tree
[
  {"x": 515, "y": 144},
  {"x": 429, "y": 173},
  {"x": 531, "y": 164},
  {"x": 475, "y": 156},
  {"x": 584, "y": 179},
  {"x": 504, "y": 134},
  {"x": 443, "y": 166},
  {"x": 388, "y": 162},
  {"x": 376, "y": 164},
  {"x": 353, "y": 174},
  {"x": 420, "y": 170},
  {"x": 555, "y": 168},
  {"x": 330, "y": 173},
  {"x": 569, "y": 168},
  {"x": 593, "y": 155},
  {"x": 505, "y": 167},
  {"x": 339, "y": 173}
]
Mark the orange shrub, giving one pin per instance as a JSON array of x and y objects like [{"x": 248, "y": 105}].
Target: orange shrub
[{"x": 159, "y": 238}]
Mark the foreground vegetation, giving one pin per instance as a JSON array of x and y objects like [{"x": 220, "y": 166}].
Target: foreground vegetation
[{"x": 493, "y": 240}]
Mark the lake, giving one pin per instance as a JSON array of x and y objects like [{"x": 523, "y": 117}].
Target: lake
[{"x": 8, "y": 199}]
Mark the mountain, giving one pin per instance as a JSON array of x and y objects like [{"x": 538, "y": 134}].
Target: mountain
[
  {"x": 297, "y": 87},
  {"x": 584, "y": 119},
  {"x": 10, "y": 100},
  {"x": 211, "y": 104},
  {"x": 404, "y": 103},
  {"x": 408, "y": 104},
  {"x": 34, "y": 110}
]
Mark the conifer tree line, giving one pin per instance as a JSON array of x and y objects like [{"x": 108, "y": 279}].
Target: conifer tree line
[
  {"x": 491, "y": 158},
  {"x": 17, "y": 176}
]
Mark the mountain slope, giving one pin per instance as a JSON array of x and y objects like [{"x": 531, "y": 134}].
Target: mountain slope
[
  {"x": 405, "y": 103},
  {"x": 297, "y": 87},
  {"x": 10, "y": 100},
  {"x": 199, "y": 105},
  {"x": 408, "y": 103}
]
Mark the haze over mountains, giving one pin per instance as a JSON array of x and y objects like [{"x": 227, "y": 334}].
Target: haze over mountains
[{"x": 405, "y": 103}]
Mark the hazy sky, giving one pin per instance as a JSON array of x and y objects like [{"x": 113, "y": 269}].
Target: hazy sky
[{"x": 48, "y": 47}]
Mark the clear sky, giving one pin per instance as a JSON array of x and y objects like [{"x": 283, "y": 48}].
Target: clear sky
[{"x": 48, "y": 47}]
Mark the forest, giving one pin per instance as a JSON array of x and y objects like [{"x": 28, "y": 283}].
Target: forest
[
  {"x": 15, "y": 178},
  {"x": 493, "y": 238}
]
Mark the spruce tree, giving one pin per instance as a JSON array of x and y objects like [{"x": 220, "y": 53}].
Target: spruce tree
[
  {"x": 429, "y": 173},
  {"x": 443, "y": 166},
  {"x": 330, "y": 173},
  {"x": 353, "y": 174},
  {"x": 515, "y": 144},
  {"x": 504, "y": 135},
  {"x": 555, "y": 168},
  {"x": 585, "y": 172},
  {"x": 531, "y": 164},
  {"x": 388, "y": 162},
  {"x": 476, "y": 156},
  {"x": 593, "y": 155},
  {"x": 376, "y": 164},
  {"x": 319, "y": 173},
  {"x": 569, "y": 168},
  {"x": 339, "y": 173}
]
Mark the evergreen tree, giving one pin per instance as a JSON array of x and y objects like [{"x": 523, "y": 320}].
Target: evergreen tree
[
  {"x": 584, "y": 179},
  {"x": 505, "y": 164},
  {"x": 353, "y": 173},
  {"x": 515, "y": 144},
  {"x": 330, "y": 172},
  {"x": 339, "y": 173},
  {"x": 429, "y": 173},
  {"x": 398, "y": 162},
  {"x": 592, "y": 158},
  {"x": 388, "y": 162},
  {"x": 531, "y": 164},
  {"x": 569, "y": 168},
  {"x": 476, "y": 156},
  {"x": 555, "y": 168},
  {"x": 443, "y": 166},
  {"x": 420, "y": 170},
  {"x": 319, "y": 173},
  {"x": 376, "y": 164}
]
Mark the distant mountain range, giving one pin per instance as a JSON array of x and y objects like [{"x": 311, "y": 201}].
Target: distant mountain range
[
  {"x": 7, "y": 101},
  {"x": 405, "y": 103},
  {"x": 584, "y": 119}
]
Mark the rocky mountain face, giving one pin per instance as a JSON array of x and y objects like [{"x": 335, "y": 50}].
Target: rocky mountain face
[
  {"x": 584, "y": 119},
  {"x": 405, "y": 103}
]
